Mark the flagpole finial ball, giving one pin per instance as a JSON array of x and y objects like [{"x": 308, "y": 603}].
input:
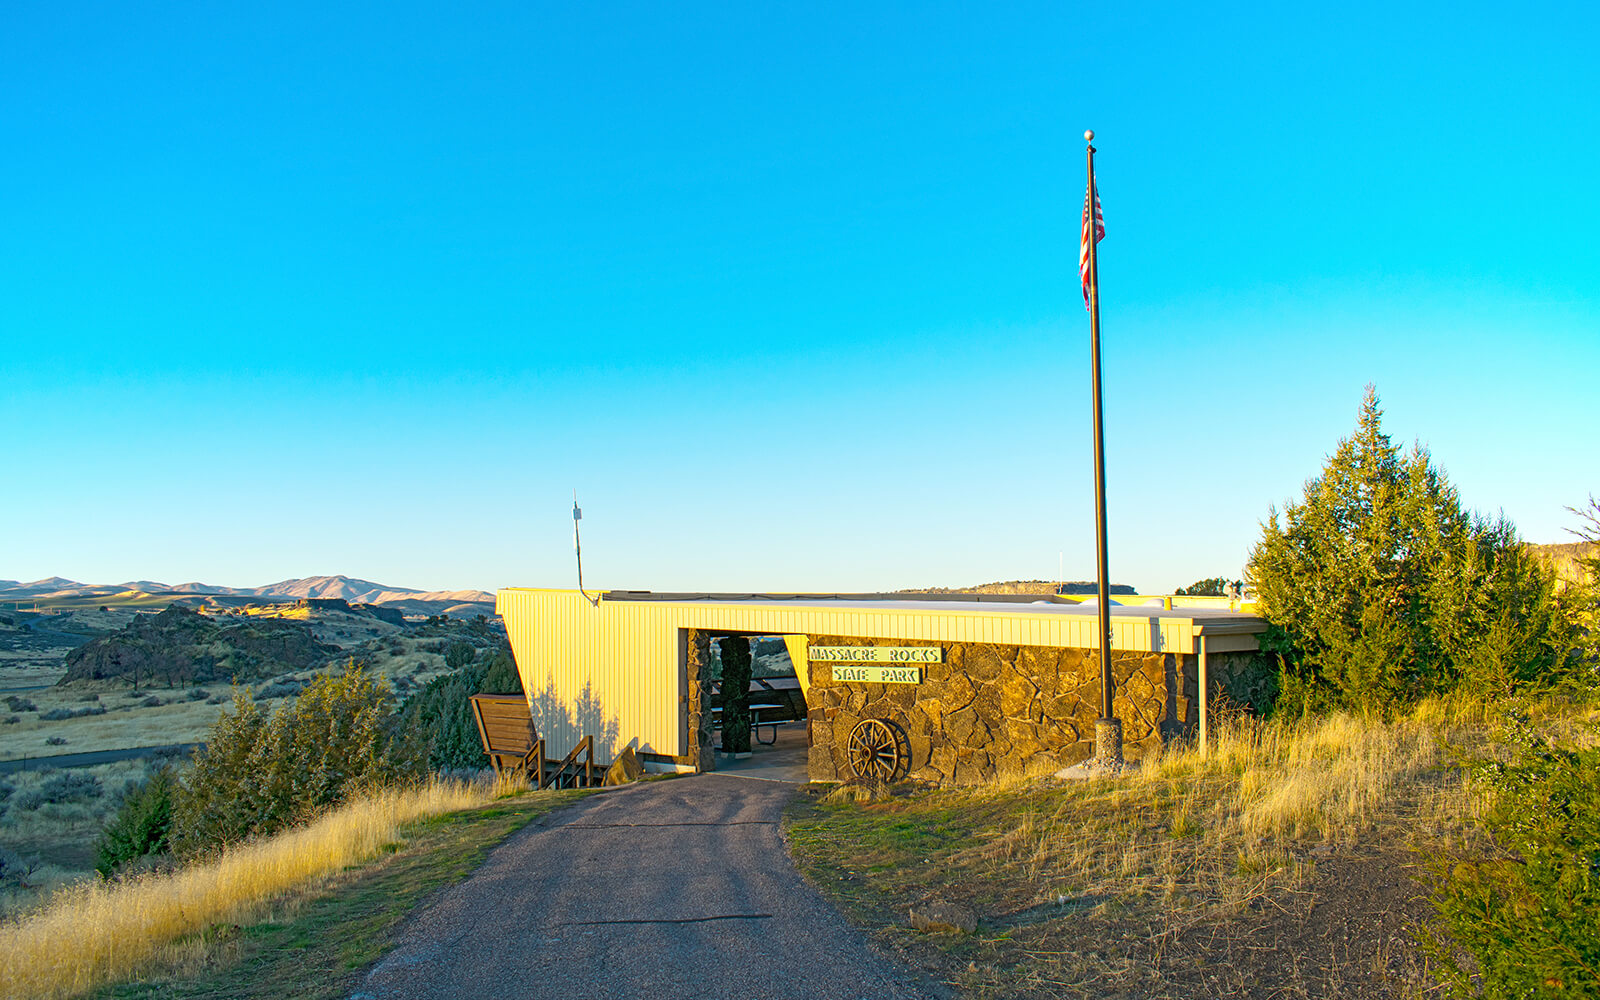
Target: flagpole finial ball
[{"x": 1088, "y": 135}]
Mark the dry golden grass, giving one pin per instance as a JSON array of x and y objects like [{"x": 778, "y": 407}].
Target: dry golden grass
[
  {"x": 96, "y": 932},
  {"x": 1325, "y": 779},
  {"x": 128, "y": 723},
  {"x": 125, "y": 724},
  {"x": 28, "y": 667},
  {"x": 1114, "y": 881},
  {"x": 1196, "y": 834},
  {"x": 1224, "y": 827}
]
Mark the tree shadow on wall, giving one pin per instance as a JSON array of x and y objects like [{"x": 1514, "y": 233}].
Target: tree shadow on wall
[{"x": 585, "y": 716}]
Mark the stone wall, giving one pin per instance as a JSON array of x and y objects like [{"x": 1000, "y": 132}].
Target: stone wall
[
  {"x": 990, "y": 711},
  {"x": 702, "y": 733}
]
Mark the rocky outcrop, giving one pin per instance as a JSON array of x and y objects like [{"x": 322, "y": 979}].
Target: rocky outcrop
[
  {"x": 338, "y": 604},
  {"x": 390, "y": 615},
  {"x": 1573, "y": 563},
  {"x": 182, "y": 646},
  {"x": 1021, "y": 587}
]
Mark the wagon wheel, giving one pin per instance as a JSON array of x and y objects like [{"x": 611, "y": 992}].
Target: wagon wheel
[{"x": 878, "y": 749}]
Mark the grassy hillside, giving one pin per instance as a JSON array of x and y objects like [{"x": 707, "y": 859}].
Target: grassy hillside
[
  {"x": 1281, "y": 864},
  {"x": 84, "y": 602},
  {"x": 299, "y": 914}
]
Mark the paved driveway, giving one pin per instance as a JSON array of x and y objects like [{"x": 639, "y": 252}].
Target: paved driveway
[{"x": 677, "y": 888}]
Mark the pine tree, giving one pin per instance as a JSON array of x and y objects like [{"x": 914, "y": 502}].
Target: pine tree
[
  {"x": 221, "y": 801},
  {"x": 141, "y": 825},
  {"x": 1381, "y": 588},
  {"x": 440, "y": 717},
  {"x": 258, "y": 775}
]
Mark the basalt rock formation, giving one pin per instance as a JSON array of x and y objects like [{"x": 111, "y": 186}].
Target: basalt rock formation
[{"x": 181, "y": 646}]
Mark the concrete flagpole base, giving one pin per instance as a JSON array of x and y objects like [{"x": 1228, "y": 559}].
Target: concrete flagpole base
[
  {"x": 1108, "y": 742},
  {"x": 1107, "y": 760}
]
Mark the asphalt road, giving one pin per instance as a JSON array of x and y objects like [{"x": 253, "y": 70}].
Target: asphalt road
[
  {"x": 91, "y": 757},
  {"x": 677, "y": 888}
]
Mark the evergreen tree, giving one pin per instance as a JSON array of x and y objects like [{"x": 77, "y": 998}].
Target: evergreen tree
[
  {"x": 442, "y": 718},
  {"x": 1381, "y": 588},
  {"x": 500, "y": 674},
  {"x": 1519, "y": 921},
  {"x": 220, "y": 802},
  {"x": 258, "y": 775},
  {"x": 141, "y": 825},
  {"x": 459, "y": 654},
  {"x": 1585, "y": 594}
]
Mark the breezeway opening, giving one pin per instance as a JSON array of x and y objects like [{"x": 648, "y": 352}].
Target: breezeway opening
[{"x": 779, "y": 738}]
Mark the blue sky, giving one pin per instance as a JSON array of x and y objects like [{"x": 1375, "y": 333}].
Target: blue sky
[{"x": 787, "y": 293}]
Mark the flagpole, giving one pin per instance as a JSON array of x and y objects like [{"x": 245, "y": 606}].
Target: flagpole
[{"x": 1108, "y": 728}]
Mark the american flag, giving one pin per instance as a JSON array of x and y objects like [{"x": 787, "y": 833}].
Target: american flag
[{"x": 1083, "y": 243}]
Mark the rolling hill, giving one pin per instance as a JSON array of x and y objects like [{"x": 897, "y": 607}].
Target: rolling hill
[
  {"x": 348, "y": 588},
  {"x": 60, "y": 594}
]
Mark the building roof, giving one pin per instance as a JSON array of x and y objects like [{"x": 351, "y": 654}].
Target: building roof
[
  {"x": 1010, "y": 604},
  {"x": 1200, "y": 620}
]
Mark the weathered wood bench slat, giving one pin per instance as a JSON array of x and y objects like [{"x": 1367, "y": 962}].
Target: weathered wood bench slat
[
  {"x": 505, "y": 736},
  {"x": 511, "y": 742},
  {"x": 506, "y": 728}
]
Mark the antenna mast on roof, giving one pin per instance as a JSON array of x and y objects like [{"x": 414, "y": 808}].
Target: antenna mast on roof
[{"x": 577, "y": 547}]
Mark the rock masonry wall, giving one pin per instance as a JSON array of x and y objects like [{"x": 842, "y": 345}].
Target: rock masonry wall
[
  {"x": 702, "y": 727},
  {"x": 995, "y": 712}
]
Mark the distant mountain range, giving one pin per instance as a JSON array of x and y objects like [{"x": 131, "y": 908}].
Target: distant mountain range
[{"x": 350, "y": 589}]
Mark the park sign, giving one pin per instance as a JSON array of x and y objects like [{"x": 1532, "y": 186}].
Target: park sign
[
  {"x": 876, "y": 664},
  {"x": 876, "y": 673},
  {"x": 875, "y": 654}
]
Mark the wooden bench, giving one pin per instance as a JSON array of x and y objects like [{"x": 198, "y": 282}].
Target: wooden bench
[{"x": 506, "y": 727}]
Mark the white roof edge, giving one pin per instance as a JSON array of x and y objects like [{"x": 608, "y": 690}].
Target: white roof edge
[{"x": 1212, "y": 620}]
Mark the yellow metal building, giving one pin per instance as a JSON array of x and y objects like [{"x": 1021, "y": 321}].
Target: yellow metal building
[{"x": 616, "y": 665}]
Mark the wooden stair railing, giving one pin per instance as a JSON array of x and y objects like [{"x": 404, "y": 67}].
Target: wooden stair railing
[{"x": 580, "y": 779}]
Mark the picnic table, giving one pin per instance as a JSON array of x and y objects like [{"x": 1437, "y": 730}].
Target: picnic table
[
  {"x": 772, "y": 724},
  {"x": 755, "y": 721}
]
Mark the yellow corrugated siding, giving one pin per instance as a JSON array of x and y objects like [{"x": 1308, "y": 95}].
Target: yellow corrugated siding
[
  {"x": 627, "y": 657},
  {"x": 627, "y": 653}
]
